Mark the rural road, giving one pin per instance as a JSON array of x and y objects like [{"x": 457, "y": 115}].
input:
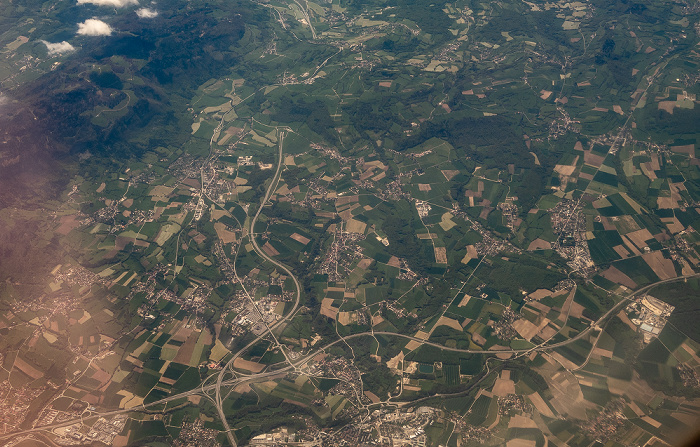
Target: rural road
[{"x": 233, "y": 382}]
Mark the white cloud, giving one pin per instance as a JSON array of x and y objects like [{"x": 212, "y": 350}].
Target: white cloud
[
  {"x": 145, "y": 13},
  {"x": 58, "y": 47},
  {"x": 94, "y": 27},
  {"x": 112, "y": 3}
]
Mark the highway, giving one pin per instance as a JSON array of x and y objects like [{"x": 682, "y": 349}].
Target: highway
[
  {"x": 218, "y": 402},
  {"x": 234, "y": 382},
  {"x": 545, "y": 347}
]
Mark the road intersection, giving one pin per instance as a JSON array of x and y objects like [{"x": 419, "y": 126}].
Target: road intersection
[{"x": 236, "y": 379}]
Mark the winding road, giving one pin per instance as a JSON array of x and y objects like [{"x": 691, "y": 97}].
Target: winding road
[{"x": 220, "y": 378}]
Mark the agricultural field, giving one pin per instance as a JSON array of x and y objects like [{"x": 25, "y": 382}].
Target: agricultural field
[{"x": 443, "y": 223}]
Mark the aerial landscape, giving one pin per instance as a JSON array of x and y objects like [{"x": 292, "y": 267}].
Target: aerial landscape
[{"x": 333, "y": 222}]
